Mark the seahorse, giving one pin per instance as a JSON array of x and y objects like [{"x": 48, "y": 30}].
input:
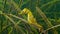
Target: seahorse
[{"x": 31, "y": 19}]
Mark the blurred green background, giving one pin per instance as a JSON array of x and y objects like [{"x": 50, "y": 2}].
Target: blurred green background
[{"x": 51, "y": 8}]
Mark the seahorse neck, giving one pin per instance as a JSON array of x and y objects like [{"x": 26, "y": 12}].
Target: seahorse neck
[{"x": 29, "y": 12}]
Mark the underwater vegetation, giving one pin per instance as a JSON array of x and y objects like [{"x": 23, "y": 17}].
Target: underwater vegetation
[{"x": 30, "y": 16}]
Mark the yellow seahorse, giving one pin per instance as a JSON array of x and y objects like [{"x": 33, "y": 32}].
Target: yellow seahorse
[{"x": 31, "y": 19}]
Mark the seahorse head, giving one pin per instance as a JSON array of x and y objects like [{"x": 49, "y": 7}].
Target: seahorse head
[{"x": 24, "y": 11}]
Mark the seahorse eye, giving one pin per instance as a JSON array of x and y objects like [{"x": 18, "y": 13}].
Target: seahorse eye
[{"x": 24, "y": 11}]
